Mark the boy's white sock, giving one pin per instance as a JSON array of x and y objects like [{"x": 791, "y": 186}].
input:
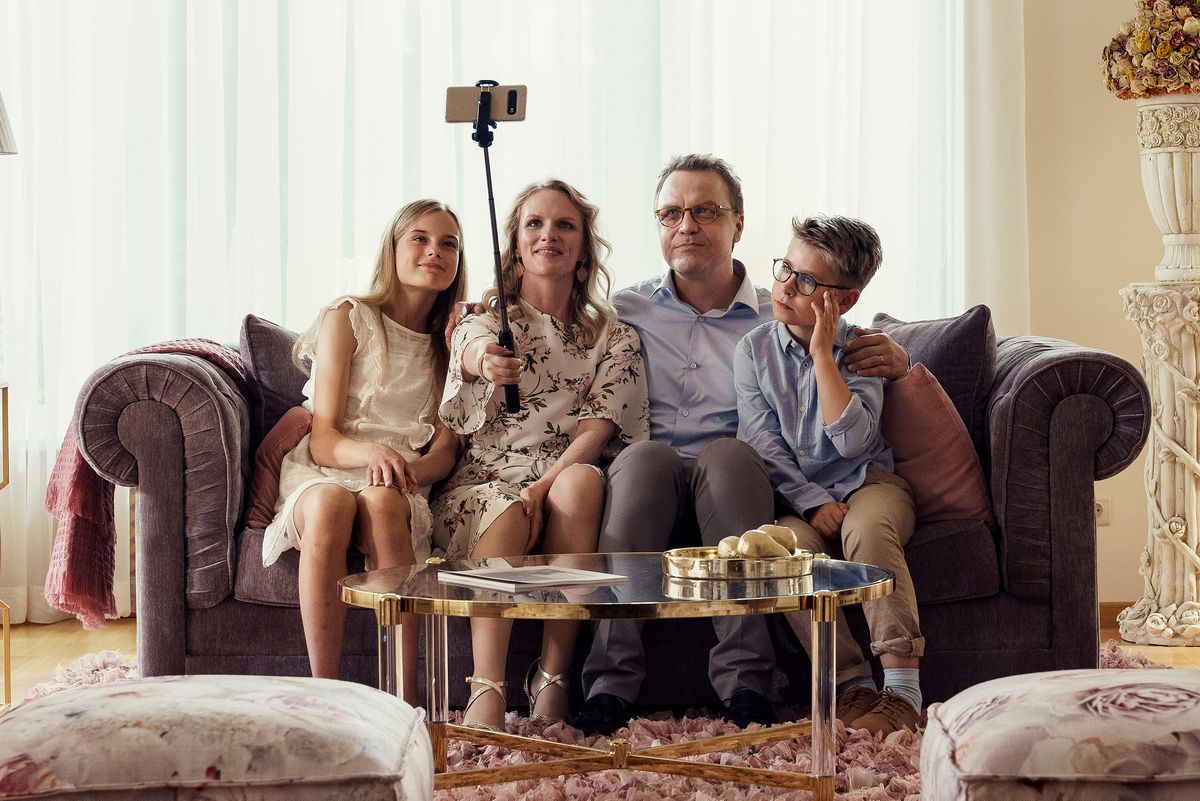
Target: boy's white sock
[{"x": 904, "y": 682}]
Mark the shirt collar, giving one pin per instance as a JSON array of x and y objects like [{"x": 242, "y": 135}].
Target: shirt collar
[
  {"x": 787, "y": 341},
  {"x": 746, "y": 295}
]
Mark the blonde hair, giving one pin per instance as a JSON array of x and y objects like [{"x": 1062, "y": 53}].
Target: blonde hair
[
  {"x": 851, "y": 247},
  {"x": 589, "y": 306},
  {"x": 384, "y": 283}
]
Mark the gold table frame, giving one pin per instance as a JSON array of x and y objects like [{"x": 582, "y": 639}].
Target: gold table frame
[{"x": 569, "y": 759}]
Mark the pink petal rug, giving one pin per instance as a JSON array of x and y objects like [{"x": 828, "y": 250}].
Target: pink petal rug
[{"x": 870, "y": 768}]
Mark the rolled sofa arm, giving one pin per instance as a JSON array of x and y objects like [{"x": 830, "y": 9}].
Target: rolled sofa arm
[
  {"x": 1060, "y": 417},
  {"x": 176, "y": 427}
]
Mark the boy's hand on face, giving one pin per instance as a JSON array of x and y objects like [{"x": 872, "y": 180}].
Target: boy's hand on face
[
  {"x": 827, "y": 520},
  {"x": 827, "y": 311}
]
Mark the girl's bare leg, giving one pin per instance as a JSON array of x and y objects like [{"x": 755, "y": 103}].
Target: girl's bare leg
[
  {"x": 506, "y": 536},
  {"x": 324, "y": 515},
  {"x": 385, "y": 537}
]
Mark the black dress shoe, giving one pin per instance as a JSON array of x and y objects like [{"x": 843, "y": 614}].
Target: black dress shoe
[
  {"x": 603, "y": 713},
  {"x": 746, "y": 707}
]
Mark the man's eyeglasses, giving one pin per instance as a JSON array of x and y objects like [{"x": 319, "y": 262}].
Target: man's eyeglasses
[
  {"x": 805, "y": 283},
  {"x": 705, "y": 213}
]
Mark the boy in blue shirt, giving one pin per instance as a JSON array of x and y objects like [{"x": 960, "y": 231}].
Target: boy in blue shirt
[{"x": 816, "y": 425}]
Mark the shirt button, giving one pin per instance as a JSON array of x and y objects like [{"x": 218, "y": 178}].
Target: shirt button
[
  {"x": 802, "y": 452},
  {"x": 684, "y": 412},
  {"x": 801, "y": 408},
  {"x": 693, "y": 366},
  {"x": 804, "y": 366}
]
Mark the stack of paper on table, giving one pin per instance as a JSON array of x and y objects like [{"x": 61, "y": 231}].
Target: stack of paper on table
[{"x": 524, "y": 579}]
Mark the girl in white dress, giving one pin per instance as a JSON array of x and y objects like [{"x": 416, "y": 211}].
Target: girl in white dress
[
  {"x": 529, "y": 478},
  {"x": 363, "y": 475}
]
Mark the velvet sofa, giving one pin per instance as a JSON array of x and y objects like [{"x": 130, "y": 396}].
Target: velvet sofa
[{"x": 1018, "y": 594}]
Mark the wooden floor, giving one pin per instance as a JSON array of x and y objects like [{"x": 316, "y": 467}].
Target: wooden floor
[
  {"x": 1175, "y": 657},
  {"x": 38, "y": 649}
]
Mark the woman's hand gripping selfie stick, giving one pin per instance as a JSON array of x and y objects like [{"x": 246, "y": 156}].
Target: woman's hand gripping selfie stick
[{"x": 483, "y": 135}]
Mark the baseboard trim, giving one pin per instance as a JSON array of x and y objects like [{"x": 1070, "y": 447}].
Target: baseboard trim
[{"x": 1109, "y": 611}]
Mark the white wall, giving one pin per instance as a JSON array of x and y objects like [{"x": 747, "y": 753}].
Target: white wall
[{"x": 1090, "y": 230}]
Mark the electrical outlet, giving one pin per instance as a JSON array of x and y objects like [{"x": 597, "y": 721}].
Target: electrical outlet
[{"x": 1103, "y": 511}]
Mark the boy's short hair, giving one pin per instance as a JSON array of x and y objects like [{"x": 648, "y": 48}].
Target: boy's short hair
[
  {"x": 703, "y": 162},
  {"x": 851, "y": 247}
]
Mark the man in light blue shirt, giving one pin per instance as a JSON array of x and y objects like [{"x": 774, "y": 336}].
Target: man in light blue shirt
[{"x": 693, "y": 473}]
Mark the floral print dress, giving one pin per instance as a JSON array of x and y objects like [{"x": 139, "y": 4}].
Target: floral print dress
[{"x": 563, "y": 382}]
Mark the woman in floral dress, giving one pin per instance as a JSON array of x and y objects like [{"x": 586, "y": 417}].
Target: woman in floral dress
[
  {"x": 528, "y": 480},
  {"x": 362, "y": 476}
]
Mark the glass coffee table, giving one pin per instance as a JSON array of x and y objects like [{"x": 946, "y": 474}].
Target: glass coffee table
[{"x": 647, "y": 594}]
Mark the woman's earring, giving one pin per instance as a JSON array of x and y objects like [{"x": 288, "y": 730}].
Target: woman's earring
[{"x": 581, "y": 273}]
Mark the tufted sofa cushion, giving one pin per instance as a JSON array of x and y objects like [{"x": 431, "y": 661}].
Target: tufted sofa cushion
[
  {"x": 206, "y": 737},
  {"x": 279, "y": 584}
]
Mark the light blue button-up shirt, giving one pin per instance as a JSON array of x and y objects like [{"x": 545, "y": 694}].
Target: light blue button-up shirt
[
  {"x": 780, "y": 416},
  {"x": 689, "y": 357}
]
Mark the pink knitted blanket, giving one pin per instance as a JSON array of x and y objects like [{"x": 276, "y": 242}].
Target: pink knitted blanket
[{"x": 80, "y": 579}]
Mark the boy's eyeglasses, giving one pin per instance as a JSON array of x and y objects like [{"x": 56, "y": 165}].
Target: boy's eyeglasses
[
  {"x": 705, "y": 213},
  {"x": 805, "y": 283}
]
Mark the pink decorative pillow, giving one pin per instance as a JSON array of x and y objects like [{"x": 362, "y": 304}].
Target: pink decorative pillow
[
  {"x": 278, "y": 443},
  {"x": 933, "y": 450}
]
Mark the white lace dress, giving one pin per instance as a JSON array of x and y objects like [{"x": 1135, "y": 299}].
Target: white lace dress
[
  {"x": 390, "y": 400},
  {"x": 563, "y": 382}
]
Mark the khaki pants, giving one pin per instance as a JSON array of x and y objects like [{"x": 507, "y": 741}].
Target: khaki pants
[{"x": 880, "y": 521}]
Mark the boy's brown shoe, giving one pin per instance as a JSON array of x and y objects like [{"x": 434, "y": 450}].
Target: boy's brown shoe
[
  {"x": 890, "y": 713},
  {"x": 855, "y": 702}
]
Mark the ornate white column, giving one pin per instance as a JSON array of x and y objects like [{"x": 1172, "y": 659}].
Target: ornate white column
[{"x": 1167, "y": 315}]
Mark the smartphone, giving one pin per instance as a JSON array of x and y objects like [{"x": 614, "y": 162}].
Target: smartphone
[{"x": 507, "y": 105}]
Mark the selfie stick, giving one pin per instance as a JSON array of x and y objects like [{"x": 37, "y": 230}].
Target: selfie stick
[{"x": 483, "y": 135}]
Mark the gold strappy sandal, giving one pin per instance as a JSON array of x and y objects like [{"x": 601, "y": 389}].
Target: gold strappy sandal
[
  {"x": 489, "y": 686},
  {"x": 547, "y": 679}
]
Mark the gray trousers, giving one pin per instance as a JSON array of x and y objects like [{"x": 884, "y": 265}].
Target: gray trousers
[{"x": 651, "y": 490}]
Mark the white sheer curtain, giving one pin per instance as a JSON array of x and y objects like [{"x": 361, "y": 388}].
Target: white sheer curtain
[{"x": 185, "y": 163}]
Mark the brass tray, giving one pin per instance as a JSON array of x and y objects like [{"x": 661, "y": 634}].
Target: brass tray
[
  {"x": 703, "y": 563},
  {"x": 690, "y": 589}
]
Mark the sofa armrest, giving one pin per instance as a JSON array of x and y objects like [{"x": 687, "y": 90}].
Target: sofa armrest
[
  {"x": 176, "y": 427},
  {"x": 1060, "y": 417}
]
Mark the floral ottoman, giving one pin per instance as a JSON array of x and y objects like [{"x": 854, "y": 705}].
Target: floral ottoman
[
  {"x": 215, "y": 738},
  {"x": 1099, "y": 735}
]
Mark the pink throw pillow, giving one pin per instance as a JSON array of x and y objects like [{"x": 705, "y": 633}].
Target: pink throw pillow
[
  {"x": 278, "y": 443},
  {"x": 933, "y": 450}
]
